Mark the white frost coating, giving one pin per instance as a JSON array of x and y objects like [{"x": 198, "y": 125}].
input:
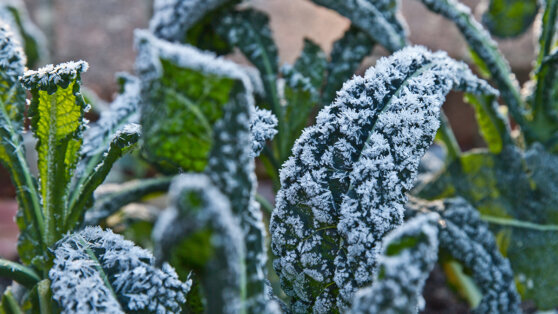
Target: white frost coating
[
  {"x": 172, "y": 18},
  {"x": 263, "y": 127},
  {"x": 343, "y": 187},
  {"x": 99, "y": 271},
  {"x": 151, "y": 50},
  {"x": 224, "y": 273},
  {"x": 398, "y": 285},
  {"x": 12, "y": 58},
  {"x": 49, "y": 77},
  {"x": 123, "y": 111}
]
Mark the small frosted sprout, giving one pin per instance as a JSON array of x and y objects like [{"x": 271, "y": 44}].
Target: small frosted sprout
[
  {"x": 408, "y": 256},
  {"x": 344, "y": 186},
  {"x": 99, "y": 271},
  {"x": 12, "y": 58},
  {"x": 197, "y": 207},
  {"x": 469, "y": 241},
  {"x": 263, "y": 127}
]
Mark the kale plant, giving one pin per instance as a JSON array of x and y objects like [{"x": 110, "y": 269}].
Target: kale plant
[{"x": 343, "y": 235}]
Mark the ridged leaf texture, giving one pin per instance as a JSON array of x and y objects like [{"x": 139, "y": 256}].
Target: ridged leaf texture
[
  {"x": 12, "y": 152},
  {"x": 509, "y": 18},
  {"x": 343, "y": 187},
  {"x": 377, "y": 18},
  {"x": 516, "y": 192},
  {"x": 408, "y": 256},
  {"x": 263, "y": 128},
  {"x": 182, "y": 89},
  {"x": 56, "y": 112},
  {"x": 468, "y": 239},
  {"x": 99, "y": 271},
  {"x": 199, "y": 231}
]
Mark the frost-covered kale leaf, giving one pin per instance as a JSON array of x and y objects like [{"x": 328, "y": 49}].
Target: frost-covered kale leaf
[
  {"x": 516, "y": 192},
  {"x": 99, "y": 271},
  {"x": 509, "y": 18},
  {"x": 199, "y": 232},
  {"x": 377, "y": 18},
  {"x": 57, "y": 121},
  {"x": 467, "y": 239},
  {"x": 407, "y": 258},
  {"x": 343, "y": 187},
  {"x": 14, "y": 13},
  {"x": 184, "y": 92},
  {"x": 12, "y": 152},
  {"x": 263, "y": 128},
  {"x": 346, "y": 55}
]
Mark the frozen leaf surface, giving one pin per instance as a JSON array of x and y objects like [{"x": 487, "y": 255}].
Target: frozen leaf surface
[
  {"x": 343, "y": 187},
  {"x": 408, "y": 256},
  {"x": 99, "y": 271},
  {"x": 263, "y": 128}
]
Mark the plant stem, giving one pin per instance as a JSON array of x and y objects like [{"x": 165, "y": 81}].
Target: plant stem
[{"x": 19, "y": 273}]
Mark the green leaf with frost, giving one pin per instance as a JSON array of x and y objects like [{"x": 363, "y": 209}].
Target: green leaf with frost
[
  {"x": 516, "y": 193},
  {"x": 28, "y": 34},
  {"x": 349, "y": 172},
  {"x": 346, "y": 56},
  {"x": 467, "y": 239},
  {"x": 509, "y": 18},
  {"x": 12, "y": 152},
  {"x": 378, "y": 18},
  {"x": 56, "y": 113},
  {"x": 199, "y": 232},
  {"x": 408, "y": 255},
  {"x": 182, "y": 89},
  {"x": 98, "y": 271}
]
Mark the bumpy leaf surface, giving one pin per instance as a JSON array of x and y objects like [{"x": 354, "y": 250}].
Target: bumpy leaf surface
[
  {"x": 343, "y": 187},
  {"x": 378, "y": 18},
  {"x": 408, "y": 256},
  {"x": 468, "y": 240},
  {"x": 12, "y": 153},
  {"x": 99, "y": 271},
  {"x": 57, "y": 121},
  {"x": 182, "y": 89},
  {"x": 198, "y": 230},
  {"x": 516, "y": 192},
  {"x": 509, "y": 18}
]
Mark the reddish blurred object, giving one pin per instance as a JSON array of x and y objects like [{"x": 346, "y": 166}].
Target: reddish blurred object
[{"x": 8, "y": 229}]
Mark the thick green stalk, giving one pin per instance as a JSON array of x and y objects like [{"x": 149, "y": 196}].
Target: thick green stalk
[{"x": 19, "y": 273}]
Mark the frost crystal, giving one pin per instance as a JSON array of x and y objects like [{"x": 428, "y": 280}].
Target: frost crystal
[
  {"x": 99, "y": 271},
  {"x": 468, "y": 239},
  {"x": 50, "y": 77},
  {"x": 409, "y": 254},
  {"x": 343, "y": 187},
  {"x": 172, "y": 18},
  {"x": 197, "y": 205},
  {"x": 12, "y": 58},
  {"x": 263, "y": 127}
]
